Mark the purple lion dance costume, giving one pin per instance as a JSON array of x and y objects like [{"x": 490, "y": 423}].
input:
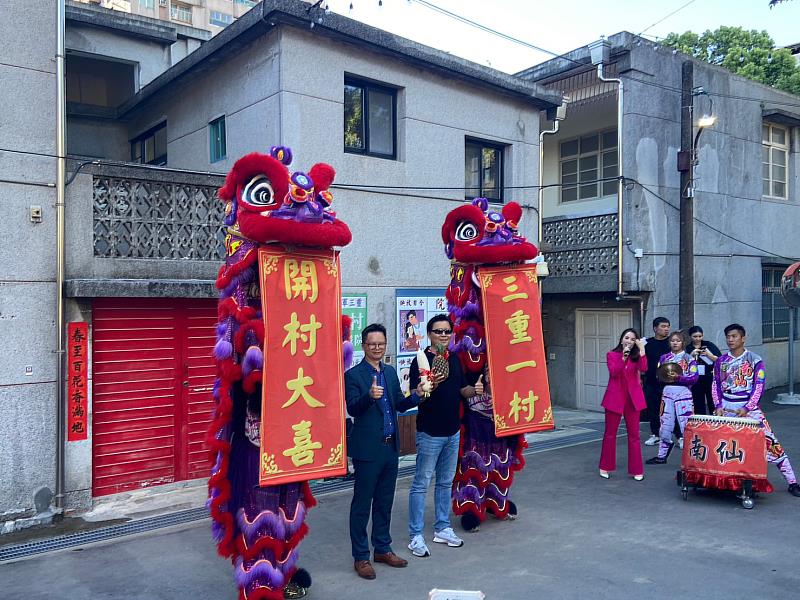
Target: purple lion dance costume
[
  {"x": 476, "y": 236},
  {"x": 259, "y": 528}
]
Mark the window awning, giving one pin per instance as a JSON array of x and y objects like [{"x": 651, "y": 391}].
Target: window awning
[{"x": 781, "y": 117}]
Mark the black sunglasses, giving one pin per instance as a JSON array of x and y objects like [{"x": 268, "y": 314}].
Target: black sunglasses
[{"x": 442, "y": 331}]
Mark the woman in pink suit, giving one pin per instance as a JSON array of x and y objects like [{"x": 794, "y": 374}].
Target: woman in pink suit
[{"x": 624, "y": 397}]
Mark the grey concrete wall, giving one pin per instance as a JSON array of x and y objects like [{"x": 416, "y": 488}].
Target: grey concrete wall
[
  {"x": 245, "y": 91},
  {"x": 81, "y": 262},
  {"x": 27, "y": 289},
  {"x": 559, "y": 321},
  {"x": 150, "y": 57},
  {"x": 98, "y": 138},
  {"x": 288, "y": 88},
  {"x": 728, "y": 196}
]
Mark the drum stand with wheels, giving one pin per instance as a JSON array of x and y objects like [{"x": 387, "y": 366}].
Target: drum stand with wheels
[{"x": 747, "y": 496}]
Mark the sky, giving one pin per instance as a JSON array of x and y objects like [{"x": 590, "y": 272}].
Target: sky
[{"x": 562, "y": 25}]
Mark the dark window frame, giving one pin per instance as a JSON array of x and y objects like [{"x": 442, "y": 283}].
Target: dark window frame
[
  {"x": 366, "y": 85},
  {"x": 501, "y": 148},
  {"x": 211, "y": 142},
  {"x": 771, "y": 299},
  {"x": 140, "y": 139}
]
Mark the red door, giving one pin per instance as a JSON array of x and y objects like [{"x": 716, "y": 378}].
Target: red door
[{"x": 152, "y": 374}]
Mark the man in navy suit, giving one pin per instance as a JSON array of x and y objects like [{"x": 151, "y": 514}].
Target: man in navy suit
[{"x": 373, "y": 396}]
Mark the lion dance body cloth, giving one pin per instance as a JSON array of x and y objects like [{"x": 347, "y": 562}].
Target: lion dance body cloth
[
  {"x": 259, "y": 528},
  {"x": 476, "y": 236}
]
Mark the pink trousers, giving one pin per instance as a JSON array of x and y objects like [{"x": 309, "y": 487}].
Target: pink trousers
[{"x": 608, "y": 454}]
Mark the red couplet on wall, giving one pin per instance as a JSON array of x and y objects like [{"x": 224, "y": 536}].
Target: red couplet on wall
[
  {"x": 515, "y": 346},
  {"x": 77, "y": 381},
  {"x": 302, "y": 407},
  {"x": 724, "y": 447}
]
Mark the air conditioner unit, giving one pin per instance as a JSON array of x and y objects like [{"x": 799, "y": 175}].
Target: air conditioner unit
[{"x": 162, "y": 2}]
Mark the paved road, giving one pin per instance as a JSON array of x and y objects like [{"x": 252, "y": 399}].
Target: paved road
[{"x": 578, "y": 536}]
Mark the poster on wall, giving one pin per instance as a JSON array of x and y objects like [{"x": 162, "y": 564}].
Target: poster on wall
[
  {"x": 355, "y": 307},
  {"x": 77, "y": 381},
  {"x": 414, "y": 308}
]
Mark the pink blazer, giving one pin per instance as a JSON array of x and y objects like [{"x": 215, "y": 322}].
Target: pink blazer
[{"x": 624, "y": 382}]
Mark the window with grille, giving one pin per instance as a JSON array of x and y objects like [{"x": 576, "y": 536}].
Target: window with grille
[
  {"x": 483, "y": 170},
  {"x": 150, "y": 148},
  {"x": 774, "y": 311},
  {"x": 216, "y": 140},
  {"x": 586, "y": 160},
  {"x": 370, "y": 119},
  {"x": 774, "y": 160},
  {"x": 180, "y": 12}
]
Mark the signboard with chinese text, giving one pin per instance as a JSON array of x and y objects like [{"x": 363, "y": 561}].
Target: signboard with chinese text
[
  {"x": 355, "y": 307},
  {"x": 414, "y": 308},
  {"x": 302, "y": 405},
  {"x": 718, "y": 446},
  {"x": 515, "y": 347},
  {"x": 77, "y": 381}
]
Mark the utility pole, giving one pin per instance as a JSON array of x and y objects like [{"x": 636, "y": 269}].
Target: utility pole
[{"x": 686, "y": 168}]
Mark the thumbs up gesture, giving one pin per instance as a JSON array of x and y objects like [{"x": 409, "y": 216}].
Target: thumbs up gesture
[
  {"x": 479, "y": 385},
  {"x": 375, "y": 390}
]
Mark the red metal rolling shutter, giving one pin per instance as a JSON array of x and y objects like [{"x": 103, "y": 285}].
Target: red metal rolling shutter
[{"x": 152, "y": 373}]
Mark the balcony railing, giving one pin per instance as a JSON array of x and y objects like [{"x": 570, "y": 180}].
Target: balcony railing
[
  {"x": 582, "y": 246},
  {"x": 171, "y": 216}
]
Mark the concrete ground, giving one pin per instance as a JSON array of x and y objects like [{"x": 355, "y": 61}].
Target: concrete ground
[{"x": 578, "y": 536}]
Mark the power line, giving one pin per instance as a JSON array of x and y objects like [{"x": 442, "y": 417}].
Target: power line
[
  {"x": 491, "y": 31},
  {"x": 711, "y": 227},
  {"x": 677, "y": 10},
  {"x": 556, "y": 55}
]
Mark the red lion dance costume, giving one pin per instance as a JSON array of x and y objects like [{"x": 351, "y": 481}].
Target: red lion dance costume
[
  {"x": 473, "y": 236},
  {"x": 259, "y": 528}
]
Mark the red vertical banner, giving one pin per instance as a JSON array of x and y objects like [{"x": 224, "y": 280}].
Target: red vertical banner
[
  {"x": 77, "y": 381},
  {"x": 515, "y": 347},
  {"x": 302, "y": 404}
]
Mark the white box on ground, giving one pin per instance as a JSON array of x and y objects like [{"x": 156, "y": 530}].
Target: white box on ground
[{"x": 435, "y": 594}]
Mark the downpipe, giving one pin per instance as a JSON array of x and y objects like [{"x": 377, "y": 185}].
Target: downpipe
[
  {"x": 61, "y": 170},
  {"x": 620, "y": 175}
]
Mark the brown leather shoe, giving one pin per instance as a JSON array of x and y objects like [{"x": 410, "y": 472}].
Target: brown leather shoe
[
  {"x": 364, "y": 569},
  {"x": 391, "y": 559}
]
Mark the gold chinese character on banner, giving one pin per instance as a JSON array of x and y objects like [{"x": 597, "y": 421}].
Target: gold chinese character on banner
[
  {"x": 518, "y": 326},
  {"x": 525, "y": 405},
  {"x": 302, "y": 453},
  {"x": 521, "y": 365},
  {"x": 511, "y": 288},
  {"x": 298, "y": 388},
  {"x": 300, "y": 279},
  {"x": 305, "y": 332}
]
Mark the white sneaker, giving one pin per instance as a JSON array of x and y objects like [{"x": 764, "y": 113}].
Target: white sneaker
[
  {"x": 651, "y": 441},
  {"x": 449, "y": 537},
  {"x": 680, "y": 443},
  {"x": 418, "y": 546}
]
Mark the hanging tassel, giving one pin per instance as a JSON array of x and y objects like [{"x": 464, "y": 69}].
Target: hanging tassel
[{"x": 253, "y": 360}]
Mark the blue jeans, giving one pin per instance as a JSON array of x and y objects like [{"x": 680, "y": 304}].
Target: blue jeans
[{"x": 438, "y": 454}]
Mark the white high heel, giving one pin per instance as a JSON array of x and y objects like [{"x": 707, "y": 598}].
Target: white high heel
[
  {"x": 605, "y": 474},
  {"x": 638, "y": 477}
]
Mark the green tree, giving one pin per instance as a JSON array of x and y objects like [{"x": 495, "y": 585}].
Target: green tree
[{"x": 751, "y": 54}]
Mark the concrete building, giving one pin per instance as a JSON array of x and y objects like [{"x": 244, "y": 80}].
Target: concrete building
[
  {"x": 405, "y": 126},
  {"x": 745, "y": 209},
  {"x": 209, "y": 15}
]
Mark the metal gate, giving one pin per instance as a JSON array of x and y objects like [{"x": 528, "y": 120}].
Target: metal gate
[{"x": 152, "y": 374}]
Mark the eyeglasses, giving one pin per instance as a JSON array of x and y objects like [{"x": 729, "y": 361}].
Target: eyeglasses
[
  {"x": 442, "y": 331},
  {"x": 376, "y": 345}
]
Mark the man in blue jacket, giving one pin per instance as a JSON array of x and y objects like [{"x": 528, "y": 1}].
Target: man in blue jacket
[{"x": 373, "y": 396}]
